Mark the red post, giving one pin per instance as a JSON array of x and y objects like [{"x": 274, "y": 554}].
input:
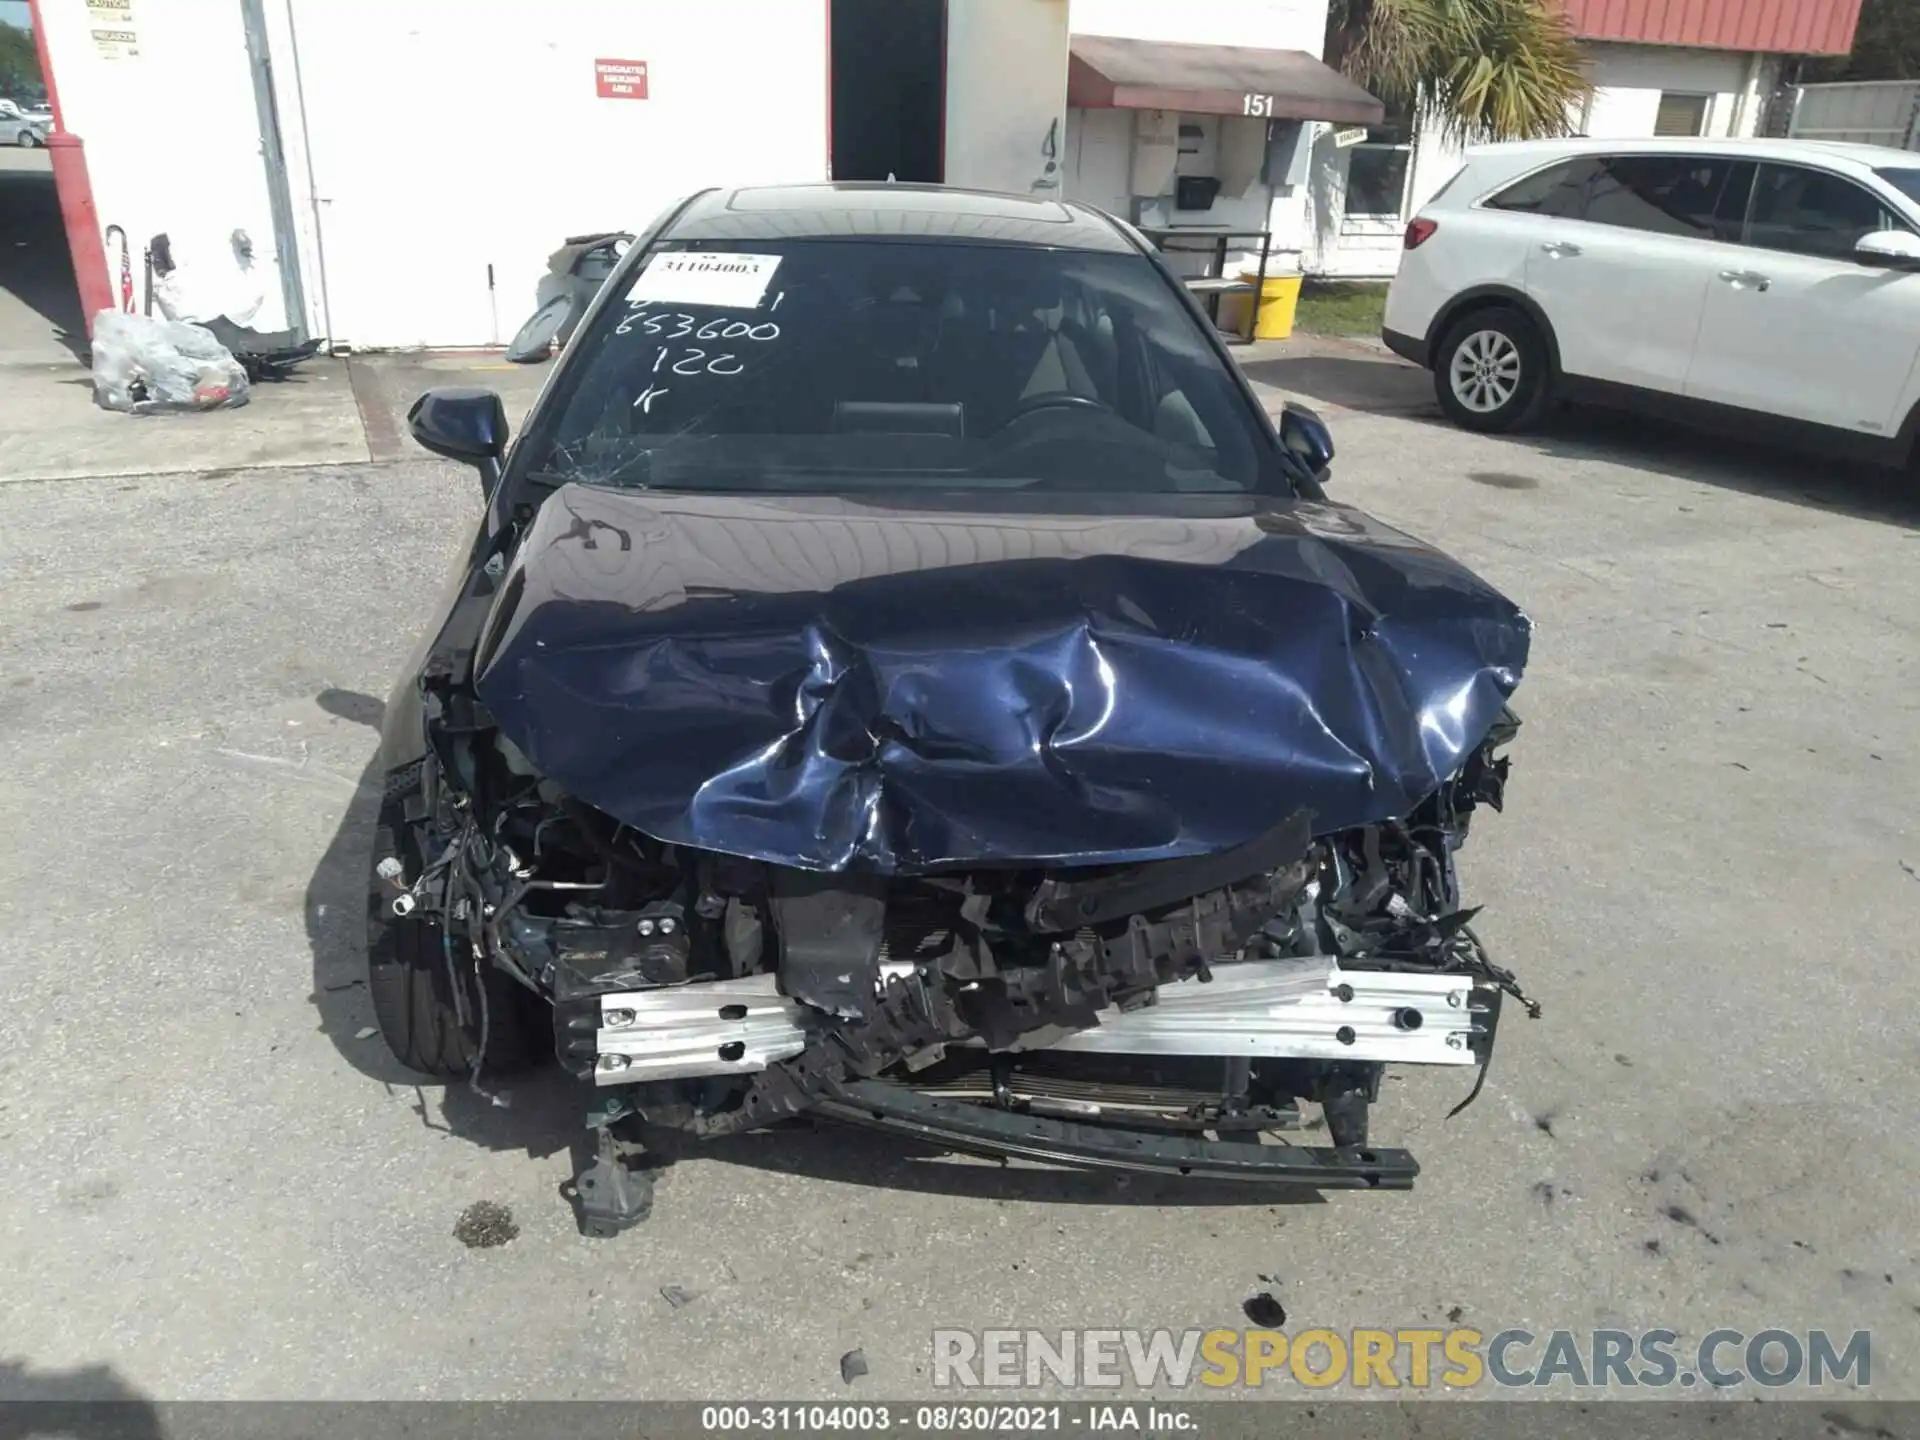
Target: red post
[{"x": 75, "y": 188}]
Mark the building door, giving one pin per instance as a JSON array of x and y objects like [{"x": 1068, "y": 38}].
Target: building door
[
  {"x": 456, "y": 145},
  {"x": 889, "y": 92}
]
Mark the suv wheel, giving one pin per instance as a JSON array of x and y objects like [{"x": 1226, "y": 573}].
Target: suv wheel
[{"x": 1491, "y": 372}]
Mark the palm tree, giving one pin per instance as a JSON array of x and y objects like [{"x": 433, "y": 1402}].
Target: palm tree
[
  {"x": 1475, "y": 69},
  {"x": 1885, "y": 47},
  {"x": 19, "y": 66}
]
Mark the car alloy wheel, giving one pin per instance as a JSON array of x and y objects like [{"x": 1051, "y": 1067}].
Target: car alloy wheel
[{"x": 1485, "y": 371}]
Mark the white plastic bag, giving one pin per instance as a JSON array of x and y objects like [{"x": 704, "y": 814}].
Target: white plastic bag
[
  {"x": 212, "y": 275},
  {"x": 146, "y": 366}
]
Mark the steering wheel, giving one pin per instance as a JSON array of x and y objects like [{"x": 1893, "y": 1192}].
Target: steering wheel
[{"x": 1057, "y": 400}]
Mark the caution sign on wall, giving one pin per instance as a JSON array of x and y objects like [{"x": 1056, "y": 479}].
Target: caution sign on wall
[
  {"x": 114, "y": 35},
  {"x": 620, "y": 79}
]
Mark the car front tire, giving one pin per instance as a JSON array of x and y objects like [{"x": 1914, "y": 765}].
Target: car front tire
[
  {"x": 1490, "y": 373},
  {"x": 410, "y": 981}
]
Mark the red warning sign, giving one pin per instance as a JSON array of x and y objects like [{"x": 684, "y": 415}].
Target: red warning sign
[{"x": 620, "y": 79}]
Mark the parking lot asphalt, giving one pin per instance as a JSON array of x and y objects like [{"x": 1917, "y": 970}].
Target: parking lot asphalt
[{"x": 218, "y": 1186}]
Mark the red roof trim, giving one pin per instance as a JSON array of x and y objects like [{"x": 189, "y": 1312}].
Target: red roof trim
[{"x": 1783, "y": 27}]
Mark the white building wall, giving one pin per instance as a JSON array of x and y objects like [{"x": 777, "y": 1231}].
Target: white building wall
[
  {"x": 1264, "y": 24},
  {"x": 452, "y": 140},
  {"x": 1100, "y": 142},
  {"x": 430, "y": 143},
  {"x": 1097, "y": 165},
  {"x": 1006, "y": 95},
  {"x": 1367, "y": 247},
  {"x": 1098, "y": 170},
  {"x": 172, "y": 132},
  {"x": 1628, "y": 83}
]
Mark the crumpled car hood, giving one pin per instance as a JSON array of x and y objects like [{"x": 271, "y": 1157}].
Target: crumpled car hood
[{"x": 988, "y": 679}]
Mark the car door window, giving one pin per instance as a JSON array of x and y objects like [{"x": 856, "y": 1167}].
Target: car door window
[
  {"x": 1812, "y": 212},
  {"x": 1558, "y": 191},
  {"x": 1903, "y": 178},
  {"x": 1700, "y": 196}
]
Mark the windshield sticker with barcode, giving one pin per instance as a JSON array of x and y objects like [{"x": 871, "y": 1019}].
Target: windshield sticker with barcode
[{"x": 705, "y": 277}]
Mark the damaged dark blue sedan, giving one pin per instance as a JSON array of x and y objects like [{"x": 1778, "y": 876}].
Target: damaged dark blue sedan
[{"x": 903, "y": 677}]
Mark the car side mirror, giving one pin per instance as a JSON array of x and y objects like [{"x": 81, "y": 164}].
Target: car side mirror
[
  {"x": 464, "y": 424},
  {"x": 1890, "y": 249},
  {"x": 461, "y": 424},
  {"x": 1305, "y": 437}
]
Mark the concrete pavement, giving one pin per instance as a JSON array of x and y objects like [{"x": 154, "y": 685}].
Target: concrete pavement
[
  {"x": 50, "y": 429},
  {"x": 40, "y": 320},
  {"x": 1709, "y": 872},
  {"x": 1339, "y": 374}
]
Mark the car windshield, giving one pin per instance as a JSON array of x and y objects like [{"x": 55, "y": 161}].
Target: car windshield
[
  {"x": 859, "y": 365},
  {"x": 1906, "y": 181}
]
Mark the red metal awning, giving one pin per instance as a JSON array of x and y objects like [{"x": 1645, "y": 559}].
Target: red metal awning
[
  {"x": 1106, "y": 72},
  {"x": 1780, "y": 27}
]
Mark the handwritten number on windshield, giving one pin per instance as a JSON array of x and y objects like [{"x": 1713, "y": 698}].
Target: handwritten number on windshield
[
  {"x": 692, "y": 361},
  {"x": 697, "y": 362},
  {"x": 689, "y": 360},
  {"x": 720, "y": 329}
]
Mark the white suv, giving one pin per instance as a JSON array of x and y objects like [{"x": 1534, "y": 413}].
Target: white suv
[{"x": 1760, "y": 279}]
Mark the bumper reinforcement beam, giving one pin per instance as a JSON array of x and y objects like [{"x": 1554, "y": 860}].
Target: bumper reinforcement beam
[{"x": 959, "y": 1125}]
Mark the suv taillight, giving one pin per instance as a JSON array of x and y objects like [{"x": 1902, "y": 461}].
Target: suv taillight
[{"x": 1417, "y": 233}]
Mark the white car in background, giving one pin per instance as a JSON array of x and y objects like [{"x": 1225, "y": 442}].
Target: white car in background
[
  {"x": 26, "y": 127},
  {"x": 1767, "y": 282}
]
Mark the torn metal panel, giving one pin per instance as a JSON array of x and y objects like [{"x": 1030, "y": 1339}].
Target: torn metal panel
[
  {"x": 841, "y": 684},
  {"x": 830, "y": 935}
]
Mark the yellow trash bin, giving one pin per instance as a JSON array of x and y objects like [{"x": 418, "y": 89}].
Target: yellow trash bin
[
  {"x": 1277, "y": 299},
  {"x": 1278, "y": 296}
]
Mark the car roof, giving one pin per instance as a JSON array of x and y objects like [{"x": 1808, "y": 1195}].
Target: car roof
[
  {"x": 1817, "y": 152},
  {"x": 849, "y": 210}
]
